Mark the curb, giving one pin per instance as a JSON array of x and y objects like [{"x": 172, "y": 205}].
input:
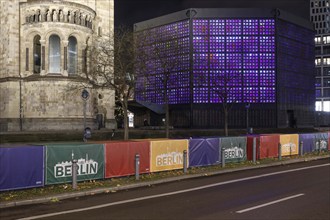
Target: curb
[{"x": 144, "y": 184}]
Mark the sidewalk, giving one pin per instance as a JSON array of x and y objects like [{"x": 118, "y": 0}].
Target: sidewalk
[{"x": 148, "y": 183}]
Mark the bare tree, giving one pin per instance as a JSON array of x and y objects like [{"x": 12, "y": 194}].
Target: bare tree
[
  {"x": 163, "y": 59},
  {"x": 224, "y": 88},
  {"x": 112, "y": 61}
]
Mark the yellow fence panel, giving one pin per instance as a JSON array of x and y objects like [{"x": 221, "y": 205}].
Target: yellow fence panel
[
  {"x": 167, "y": 154},
  {"x": 289, "y": 144}
]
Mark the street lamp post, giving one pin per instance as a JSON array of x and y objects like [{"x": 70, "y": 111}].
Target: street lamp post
[{"x": 85, "y": 96}]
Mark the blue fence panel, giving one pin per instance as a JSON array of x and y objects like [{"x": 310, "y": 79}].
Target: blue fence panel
[
  {"x": 21, "y": 167},
  {"x": 203, "y": 152}
]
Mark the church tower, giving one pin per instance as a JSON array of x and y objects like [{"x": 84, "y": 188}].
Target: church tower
[{"x": 43, "y": 48}]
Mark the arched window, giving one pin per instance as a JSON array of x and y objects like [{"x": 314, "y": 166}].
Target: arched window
[
  {"x": 72, "y": 58},
  {"x": 36, "y": 54},
  {"x": 54, "y": 54}
]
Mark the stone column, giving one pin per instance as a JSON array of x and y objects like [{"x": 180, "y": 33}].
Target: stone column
[
  {"x": 65, "y": 57},
  {"x": 43, "y": 57}
]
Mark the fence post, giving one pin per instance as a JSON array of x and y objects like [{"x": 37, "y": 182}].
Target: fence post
[
  {"x": 301, "y": 150},
  {"x": 185, "y": 160},
  {"x": 74, "y": 174},
  {"x": 137, "y": 166},
  {"x": 279, "y": 151},
  {"x": 223, "y": 162},
  {"x": 254, "y": 150}
]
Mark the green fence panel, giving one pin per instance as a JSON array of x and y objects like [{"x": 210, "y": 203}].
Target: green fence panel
[
  {"x": 235, "y": 148},
  {"x": 59, "y": 158}
]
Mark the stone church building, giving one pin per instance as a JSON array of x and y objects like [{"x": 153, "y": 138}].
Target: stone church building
[{"x": 43, "y": 47}]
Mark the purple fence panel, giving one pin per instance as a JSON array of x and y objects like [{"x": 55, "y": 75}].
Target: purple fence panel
[
  {"x": 21, "y": 167},
  {"x": 314, "y": 142},
  {"x": 203, "y": 152},
  {"x": 308, "y": 142}
]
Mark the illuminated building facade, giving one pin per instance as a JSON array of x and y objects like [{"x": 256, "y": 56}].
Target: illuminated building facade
[
  {"x": 320, "y": 16},
  {"x": 207, "y": 57}
]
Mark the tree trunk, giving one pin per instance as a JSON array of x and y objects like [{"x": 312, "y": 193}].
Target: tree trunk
[
  {"x": 225, "y": 111},
  {"x": 126, "y": 127},
  {"x": 167, "y": 120}
]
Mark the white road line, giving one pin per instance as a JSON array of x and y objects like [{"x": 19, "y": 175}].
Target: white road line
[
  {"x": 170, "y": 193},
  {"x": 270, "y": 203}
]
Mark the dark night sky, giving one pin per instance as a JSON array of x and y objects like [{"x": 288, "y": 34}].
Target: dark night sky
[{"x": 128, "y": 12}]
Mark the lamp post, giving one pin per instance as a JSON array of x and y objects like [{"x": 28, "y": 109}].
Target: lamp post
[
  {"x": 85, "y": 96},
  {"x": 247, "y": 106}
]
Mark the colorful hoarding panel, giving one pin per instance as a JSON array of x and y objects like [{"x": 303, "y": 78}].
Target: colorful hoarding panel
[
  {"x": 21, "y": 167},
  {"x": 120, "y": 158},
  {"x": 269, "y": 146},
  {"x": 321, "y": 141},
  {"x": 59, "y": 158},
  {"x": 249, "y": 147},
  {"x": 289, "y": 144},
  {"x": 308, "y": 142},
  {"x": 234, "y": 148},
  {"x": 203, "y": 152},
  {"x": 167, "y": 154}
]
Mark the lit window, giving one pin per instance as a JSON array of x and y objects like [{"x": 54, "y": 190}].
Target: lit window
[
  {"x": 326, "y": 60},
  {"x": 317, "y": 40},
  {"x": 73, "y": 58},
  {"x": 54, "y": 54},
  {"x": 326, "y": 39}
]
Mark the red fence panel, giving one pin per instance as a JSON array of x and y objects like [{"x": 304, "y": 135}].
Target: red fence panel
[
  {"x": 120, "y": 158},
  {"x": 266, "y": 146}
]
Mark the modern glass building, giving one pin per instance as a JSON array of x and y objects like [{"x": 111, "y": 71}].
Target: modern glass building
[
  {"x": 320, "y": 16},
  {"x": 197, "y": 60}
]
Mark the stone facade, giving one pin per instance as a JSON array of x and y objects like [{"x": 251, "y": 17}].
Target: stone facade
[{"x": 42, "y": 49}]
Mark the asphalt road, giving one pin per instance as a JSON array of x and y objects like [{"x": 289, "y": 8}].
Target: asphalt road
[{"x": 296, "y": 191}]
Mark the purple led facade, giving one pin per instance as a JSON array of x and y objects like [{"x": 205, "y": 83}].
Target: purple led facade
[
  {"x": 240, "y": 61},
  {"x": 230, "y": 60}
]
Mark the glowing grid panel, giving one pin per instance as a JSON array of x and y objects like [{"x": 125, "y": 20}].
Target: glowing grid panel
[
  {"x": 217, "y": 61},
  {"x": 250, "y": 94},
  {"x": 267, "y": 61},
  {"x": 234, "y": 94},
  {"x": 267, "y": 78},
  {"x": 217, "y": 27},
  {"x": 234, "y": 27},
  {"x": 267, "y": 94},
  {"x": 234, "y": 44},
  {"x": 217, "y": 44},
  {"x": 267, "y": 44},
  {"x": 201, "y": 94},
  {"x": 217, "y": 78},
  {"x": 250, "y": 27},
  {"x": 250, "y": 78},
  {"x": 201, "y": 44},
  {"x": 250, "y": 60},
  {"x": 267, "y": 27},
  {"x": 234, "y": 60},
  {"x": 200, "y": 27},
  {"x": 250, "y": 44},
  {"x": 200, "y": 78},
  {"x": 201, "y": 61}
]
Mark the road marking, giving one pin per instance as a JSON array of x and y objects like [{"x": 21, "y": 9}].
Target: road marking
[
  {"x": 270, "y": 203},
  {"x": 170, "y": 193}
]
